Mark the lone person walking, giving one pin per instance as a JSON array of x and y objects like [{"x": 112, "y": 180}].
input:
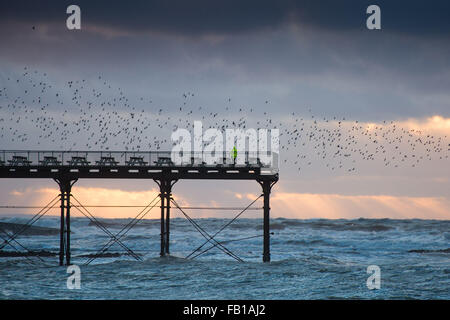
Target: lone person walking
[{"x": 234, "y": 155}]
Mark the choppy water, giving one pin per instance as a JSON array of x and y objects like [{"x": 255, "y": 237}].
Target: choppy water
[{"x": 311, "y": 259}]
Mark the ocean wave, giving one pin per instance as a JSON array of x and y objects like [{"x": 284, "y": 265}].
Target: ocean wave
[
  {"x": 273, "y": 226},
  {"x": 307, "y": 242},
  {"x": 27, "y": 230},
  {"x": 447, "y": 250},
  {"x": 366, "y": 225},
  {"x": 121, "y": 224},
  {"x": 39, "y": 253},
  {"x": 105, "y": 255}
]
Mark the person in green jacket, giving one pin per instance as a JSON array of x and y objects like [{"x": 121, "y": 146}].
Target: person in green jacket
[{"x": 234, "y": 154}]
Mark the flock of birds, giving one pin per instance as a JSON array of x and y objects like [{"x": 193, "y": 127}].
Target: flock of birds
[{"x": 96, "y": 115}]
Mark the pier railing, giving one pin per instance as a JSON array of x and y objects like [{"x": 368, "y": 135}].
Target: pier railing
[{"x": 267, "y": 160}]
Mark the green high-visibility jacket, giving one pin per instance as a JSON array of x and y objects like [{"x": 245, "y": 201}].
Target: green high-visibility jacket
[{"x": 234, "y": 153}]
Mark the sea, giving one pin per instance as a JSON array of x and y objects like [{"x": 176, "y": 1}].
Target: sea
[{"x": 310, "y": 259}]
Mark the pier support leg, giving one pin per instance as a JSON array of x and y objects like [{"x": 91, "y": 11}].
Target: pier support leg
[
  {"x": 168, "y": 195},
  {"x": 266, "y": 246},
  {"x": 266, "y": 186},
  {"x": 163, "y": 230},
  {"x": 68, "y": 252},
  {"x": 165, "y": 187},
  {"x": 61, "y": 231},
  {"x": 65, "y": 186}
]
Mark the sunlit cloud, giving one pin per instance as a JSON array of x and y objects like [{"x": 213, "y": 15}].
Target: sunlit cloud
[
  {"x": 283, "y": 204},
  {"x": 40, "y": 197},
  {"x": 16, "y": 193},
  {"x": 436, "y": 123},
  {"x": 333, "y": 206}
]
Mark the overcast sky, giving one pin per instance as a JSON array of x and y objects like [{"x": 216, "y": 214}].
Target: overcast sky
[{"x": 298, "y": 55}]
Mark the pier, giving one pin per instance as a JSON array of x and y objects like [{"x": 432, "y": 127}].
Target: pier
[{"x": 67, "y": 167}]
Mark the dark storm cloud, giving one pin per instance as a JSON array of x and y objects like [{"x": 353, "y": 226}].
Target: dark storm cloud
[
  {"x": 198, "y": 17},
  {"x": 329, "y": 57}
]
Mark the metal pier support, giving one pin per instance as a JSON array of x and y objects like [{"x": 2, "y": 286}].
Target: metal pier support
[
  {"x": 267, "y": 187},
  {"x": 163, "y": 230},
  {"x": 165, "y": 187},
  {"x": 65, "y": 186},
  {"x": 168, "y": 197}
]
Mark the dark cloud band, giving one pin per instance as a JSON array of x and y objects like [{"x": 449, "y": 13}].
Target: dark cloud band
[{"x": 199, "y": 17}]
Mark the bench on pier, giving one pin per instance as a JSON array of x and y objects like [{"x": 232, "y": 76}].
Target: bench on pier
[
  {"x": 50, "y": 161},
  {"x": 19, "y": 161},
  {"x": 199, "y": 162},
  {"x": 78, "y": 161},
  {"x": 257, "y": 164},
  {"x": 107, "y": 161},
  {"x": 136, "y": 161},
  {"x": 164, "y": 161}
]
